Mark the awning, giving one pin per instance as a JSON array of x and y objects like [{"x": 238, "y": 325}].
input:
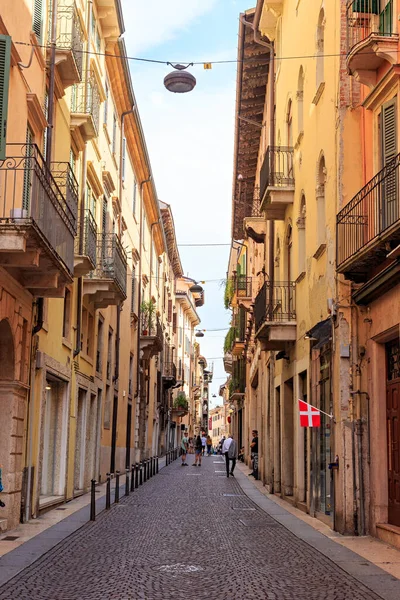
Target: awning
[{"x": 320, "y": 334}]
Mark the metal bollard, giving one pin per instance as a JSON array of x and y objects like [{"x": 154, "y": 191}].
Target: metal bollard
[
  {"x": 127, "y": 482},
  {"x": 144, "y": 471},
  {"x": 93, "y": 500},
  {"x": 116, "y": 497},
  {"x": 133, "y": 478},
  {"x": 108, "y": 492},
  {"x": 168, "y": 457},
  {"x": 151, "y": 466},
  {"x": 136, "y": 475},
  {"x": 140, "y": 473},
  {"x": 156, "y": 464}
]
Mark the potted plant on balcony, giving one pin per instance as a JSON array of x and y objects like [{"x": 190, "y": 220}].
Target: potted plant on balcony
[
  {"x": 147, "y": 310},
  {"x": 181, "y": 402}
]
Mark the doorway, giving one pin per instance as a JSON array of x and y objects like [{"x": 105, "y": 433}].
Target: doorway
[
  {"x": 80, "y": 441},
  {"x": 54, "y": 438},
  {"x": 128, "y": 436},
  {"x": 114, "y": 434},
  {"x": 393, "y": 429}
]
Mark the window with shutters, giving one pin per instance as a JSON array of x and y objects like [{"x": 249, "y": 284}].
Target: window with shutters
[
  {"x": 174, "y": 319},
  {"x": 37, "y": 19},
  {"x": 114, "y": 135},
  {"x": 389, "y": 198},
  {"x": 5, "y": 57},
  {"x": 46, "y": 114},
  {"x": 134, "y": 197},
  {"x": 123, "y": 158},
  {"x": 105, "y": 115},
  {"x": 133, "y": 290},
  {"x": 26, "y": 192},
  {"x": 170, "y": 310}
]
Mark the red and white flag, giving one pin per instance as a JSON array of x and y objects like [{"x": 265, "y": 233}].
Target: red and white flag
[{"x": 309, "y": 415}]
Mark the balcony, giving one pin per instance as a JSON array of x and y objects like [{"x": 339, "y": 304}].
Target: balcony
[
  {"x": 106, "y": 284},
  {"x": 151, "y": 337},
  {"x": 69, "y": 44},
  {"x": 275, "y": 315},
  {"x": 85, "y": 109},
  {"x": 228, "y": 362},
  {"x": 277, "y": 182},
  {"x": 85, "y": 246},
  {"x": 37, "y": 220},
  {"x": 371, "y": 40},
  {"x": 239, "y": 333},
  {"x": 237, "y": 384},
  {"x": 169, "y": 375},
  {"x": 243, "y": 290},
  {"x": 368, "y": 227}
]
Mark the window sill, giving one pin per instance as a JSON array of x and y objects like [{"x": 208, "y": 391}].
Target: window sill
[
  {"x": 300, "y": 277},
  {"x": 298, "y": 141},
  {"x": 87, "y": 358},
  {"x": 106, "y": 134},
  {"x": 318, "y": 94},
  {"x": 320, "y": 251},
  {"x": 67, "y": 343}
]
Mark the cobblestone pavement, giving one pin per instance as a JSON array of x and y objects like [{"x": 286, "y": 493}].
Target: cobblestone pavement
[{"x": 187, "y": 533}]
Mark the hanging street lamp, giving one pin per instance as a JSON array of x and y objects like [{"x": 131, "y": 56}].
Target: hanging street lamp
[{"x": 180, "y": 81}]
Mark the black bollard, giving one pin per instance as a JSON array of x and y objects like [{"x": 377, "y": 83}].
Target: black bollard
[
  {"x": 144, "y": 471},
  {"x": 136, "y": 475},
  {"x": 116, "y": 497},
  {"x": 168, "y": 457},
  {"x": 133, "y": 478},
  {"x": 108, "y": 492},
  {"x": 140, "y": 473},
  {"x": 93, "y": 500},
  {"x": 151, "y": 467},
  {"x": 156, "y": 464},
  {"x": 127, "y": 482}
]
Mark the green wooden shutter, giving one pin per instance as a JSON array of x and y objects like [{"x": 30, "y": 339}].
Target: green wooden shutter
[
  {"x": 37, "y": 19},
  {"x": 366, "y": 6},
  {"x": 389, "y": 197},
  {"x": 5, "y": 58}
]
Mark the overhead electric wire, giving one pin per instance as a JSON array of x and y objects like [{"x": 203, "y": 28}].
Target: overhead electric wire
[{"x": 192, "y": 63}]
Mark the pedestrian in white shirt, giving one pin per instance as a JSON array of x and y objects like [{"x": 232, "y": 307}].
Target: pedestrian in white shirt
[{"x": 229, "y": 450}]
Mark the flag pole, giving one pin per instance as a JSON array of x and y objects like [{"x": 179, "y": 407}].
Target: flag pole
[{"x": 321, "y": 411}]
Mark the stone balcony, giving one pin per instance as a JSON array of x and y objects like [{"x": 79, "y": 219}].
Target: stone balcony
[
  {"x": 38, "y": 215},
  {"x": 106, "y": 284},
  {"x": 371, "y": 39},
  {"x": 277, "y": 182},
  {"x": 275, "y": 315}
]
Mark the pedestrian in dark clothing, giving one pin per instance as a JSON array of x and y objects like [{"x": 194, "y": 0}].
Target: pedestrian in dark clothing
[
  {"x": 198, "y": 447},
  {"x": 229, "y": 450},
  {"x": 254, "y": 454}
]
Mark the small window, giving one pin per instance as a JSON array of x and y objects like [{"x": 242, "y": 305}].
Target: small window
[
  {"x": 114, "y": 135},
  {"x": 67, "y": 314},
  {"x": 134, "y": 197},
  {"x": 123, "y": 158}
]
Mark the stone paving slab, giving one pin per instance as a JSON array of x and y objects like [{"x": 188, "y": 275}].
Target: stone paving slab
[{"x": 179, "y": 537}]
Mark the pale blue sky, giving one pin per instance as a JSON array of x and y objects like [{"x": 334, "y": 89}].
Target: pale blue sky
[{"x": 190, "y": 136}]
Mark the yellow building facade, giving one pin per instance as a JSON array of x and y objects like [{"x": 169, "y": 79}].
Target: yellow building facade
[
  {"x": 294, "y": 165},
  {"x": 88, "y": 271}
]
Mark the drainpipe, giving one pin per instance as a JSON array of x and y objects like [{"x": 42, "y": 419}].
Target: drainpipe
[
  {"x": 52, "y": 75},
  {"x": 83, "y": 195}
]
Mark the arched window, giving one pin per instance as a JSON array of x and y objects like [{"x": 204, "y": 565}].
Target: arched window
[
  {"x": 289, "y": 254},
  {"x": 289, "y": 125},
  {"x": 300, "y": 102},
  {"x": 301, "y": 236},
  {"x": 320, "y": 47},
  {"x": 320, "y": 196}
]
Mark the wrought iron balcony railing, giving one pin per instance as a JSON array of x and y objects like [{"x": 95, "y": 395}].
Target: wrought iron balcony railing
[
  {"x": 238, "y": 380},
  {"x": 371, "y": 213},
  {"x": 243, "y": 286},
  {"x": 86, "y": 245},
  {"x": 69, "y": 32},
  {"x": 111, "y": 262},
  {"x": 364, "y": 18},
  {"x": 85, "y": 99},
  {"x": 30, "y": 194},
  {"x": 277, "y": 169},
  {"x": 275, "y": 303},
  {"x": 169, "y": 370},
  {"x": 152, "y": 327},
  {"x": 67, "y": 185}
]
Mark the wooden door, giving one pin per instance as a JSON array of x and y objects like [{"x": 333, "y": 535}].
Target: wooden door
[{"x": 393, "y": 431}]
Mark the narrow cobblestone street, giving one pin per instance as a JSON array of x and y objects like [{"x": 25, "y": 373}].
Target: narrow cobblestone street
[{"x": 187, "y": 533}]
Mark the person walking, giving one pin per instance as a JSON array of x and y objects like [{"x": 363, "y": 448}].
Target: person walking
[
  {"x": 203, "y": 443},
  {"x": 198, "y": 449},
  {"x": 254, "y": 454},
  {"x": 229, "y": 450},
  {"x": 209, "y": 445},
  {"x": 184, "y": 449}
]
